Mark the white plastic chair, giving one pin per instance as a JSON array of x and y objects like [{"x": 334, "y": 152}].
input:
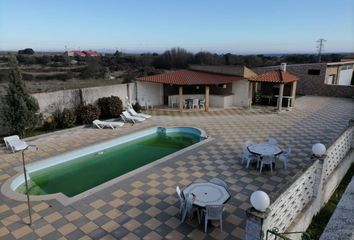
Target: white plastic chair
[
  {"x": 272, "y": 141},
  {"x": 247, "y": 155},
  {"x": 101, "y": 124},
  {"x": 14, "y": 143},
  {"x": 149, "y": 104},
  {"x": 219, "y": 182},
  {"x": 195, "y": 103},
  {"x": 284, "y": 157},
  {"x": 202, "y": 103},
  {"x": 212, "y": 212},
  {"x": 173, "y": 102},
  {"x": 267, "y": 160},
  {"x": 181, "y": 200},
  {"x": 127, "y": 117},
  {"x": 186, "y": 205},
  {"x": 135, "y": 114}
]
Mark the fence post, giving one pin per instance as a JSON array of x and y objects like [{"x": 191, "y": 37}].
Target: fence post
[{"x": 254, "y": 224}]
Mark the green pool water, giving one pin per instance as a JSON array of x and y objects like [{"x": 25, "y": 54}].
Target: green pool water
[{"x": 81, "y": 174}]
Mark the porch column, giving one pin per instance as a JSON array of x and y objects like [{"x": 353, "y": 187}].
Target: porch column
[
  {"x": 207, "y": 98},
  {"x": 293, "y": 93},
  {"x": 181, "y": 104},
  {"x": 250, "y": 93},
  {"x": 280, "y": 98}
]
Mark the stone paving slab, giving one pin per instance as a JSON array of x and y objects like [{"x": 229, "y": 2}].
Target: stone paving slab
[{"x": 145, "y": 205}]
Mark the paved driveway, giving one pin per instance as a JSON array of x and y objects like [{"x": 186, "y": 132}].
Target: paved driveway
[{"x": 145, "y": 205}]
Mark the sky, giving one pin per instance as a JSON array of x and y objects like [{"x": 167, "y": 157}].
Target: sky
[{"x": 221, "y": 26}]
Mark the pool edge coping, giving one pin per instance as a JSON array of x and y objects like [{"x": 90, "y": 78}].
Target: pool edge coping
[{"x": 7, "y": 191}]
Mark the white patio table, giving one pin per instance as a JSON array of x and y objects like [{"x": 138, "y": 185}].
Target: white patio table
[
  {"x": 207, "y": 194},
  {"x": 264, "y": 149}
]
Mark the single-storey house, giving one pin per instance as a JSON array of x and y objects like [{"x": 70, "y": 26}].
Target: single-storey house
[
  {"x": 218, "y": 86},
  {"x": 213, "y": 86}
]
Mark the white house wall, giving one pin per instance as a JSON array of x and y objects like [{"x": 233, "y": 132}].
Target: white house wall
[
  {"x": 240, "y": 91},
  {"x": 150, "y": 91},
  {"x": 345, "y": 77}
]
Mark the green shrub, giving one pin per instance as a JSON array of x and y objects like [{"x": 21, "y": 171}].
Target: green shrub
[
  {"x": 67, "y": 118},
  {"x": 87, "y": 113},
  {"x": 111, "y": 107},
  {"x": 19, "y": 110},
  {"x": 137, "y": 107}
]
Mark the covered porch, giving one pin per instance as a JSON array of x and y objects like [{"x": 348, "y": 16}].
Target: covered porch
[
  {"x": 196, "y": 90},
  {"x": 274, "y": 88}
]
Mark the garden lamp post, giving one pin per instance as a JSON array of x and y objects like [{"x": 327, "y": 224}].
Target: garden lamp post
[{"x": 26, "y": 182}]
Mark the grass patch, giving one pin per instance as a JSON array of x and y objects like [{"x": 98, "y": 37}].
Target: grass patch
[{"x": 319, "y": 222}]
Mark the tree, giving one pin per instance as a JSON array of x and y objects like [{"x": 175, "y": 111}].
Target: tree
[
  {"x": 26, "y": 51},
  {"x": 174, "y": 58},
  {"x": 19, "y": 108}
]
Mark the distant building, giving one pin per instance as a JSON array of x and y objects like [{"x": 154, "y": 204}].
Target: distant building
[
  {"x": 339, "y": 73},
  {"x": 323, "y": 79},
  {"x": 84, "y": 53}
]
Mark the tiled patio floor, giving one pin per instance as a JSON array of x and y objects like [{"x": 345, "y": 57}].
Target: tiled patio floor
[{"x": 145, "y": 205}]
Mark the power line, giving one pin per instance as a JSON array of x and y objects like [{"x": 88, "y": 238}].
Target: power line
[{"x": 320, "y": 47}]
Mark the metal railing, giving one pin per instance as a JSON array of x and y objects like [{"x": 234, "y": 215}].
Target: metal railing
[{"x": 278, "y": 235}]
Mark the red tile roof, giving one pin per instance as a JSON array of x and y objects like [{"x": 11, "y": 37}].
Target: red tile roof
[
  {"x": 276, "y": 76},
  {"x": 190, "y": 77}
]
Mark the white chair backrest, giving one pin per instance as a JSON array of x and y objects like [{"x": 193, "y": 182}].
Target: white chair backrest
[
  {"x": 245, "y": 145},
  {"x": 214, "y": 211},
  {"x": 132, "y": 111},
  {"x": 272, "y": 141},
  {"x": 126, "y": 114},
  {"x": 7, "y": 140},
  {"x": 288, "y": 152},
  {"x": 195, "y": 101},
  {"x": 267, "y": 159},
  {"x": 180, "y": 194},
  {"x": 219, "y": 182}
]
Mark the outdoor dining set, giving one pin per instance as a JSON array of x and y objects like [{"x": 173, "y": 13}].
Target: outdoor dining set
[
  {"x": 264, "y": 154},
  {"x": 189, "y": 103},
  {"x": 204, "y": 199}
]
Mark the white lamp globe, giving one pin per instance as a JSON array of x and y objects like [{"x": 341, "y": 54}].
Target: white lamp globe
[
  {"x": 318, "y": 149},
  {"x": 260, "y": 200}
]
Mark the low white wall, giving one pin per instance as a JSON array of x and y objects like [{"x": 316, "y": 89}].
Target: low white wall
[
  {"x": 50, "y": 101},
  {"x": 221, "y": 101},
  {"x": 240, "y": 90},
  {"x": 152, "y": 92}
]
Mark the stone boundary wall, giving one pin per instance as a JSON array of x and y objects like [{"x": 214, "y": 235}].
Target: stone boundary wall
[
  {"x": 50, "y": 101},
  {"x": 294, "y": 209},
  {"x": 313, "y": 84}
]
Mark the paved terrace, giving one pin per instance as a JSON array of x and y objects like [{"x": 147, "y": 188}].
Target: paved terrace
[{"x": 146, "y": 206}]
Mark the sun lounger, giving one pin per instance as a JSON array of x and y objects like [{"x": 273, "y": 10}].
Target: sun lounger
[
  {"x": 135, "y": 114},
  {"x": 127, "y": 117},
  {"x": 14, "y": 143},
  {"x": 101, "y": 124}
]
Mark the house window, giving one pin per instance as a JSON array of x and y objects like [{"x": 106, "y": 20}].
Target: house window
[{"x": 313, "y": 72}]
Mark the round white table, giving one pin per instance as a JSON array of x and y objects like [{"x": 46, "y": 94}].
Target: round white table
[
  {"x": 264, "y": 149},
  {"x": 207, "y": 194}
]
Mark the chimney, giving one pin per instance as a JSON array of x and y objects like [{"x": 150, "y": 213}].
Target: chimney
[{"x": 283, "y": 67}]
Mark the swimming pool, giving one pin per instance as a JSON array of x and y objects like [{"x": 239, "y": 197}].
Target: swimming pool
[{"x": 81, "y": 170}]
